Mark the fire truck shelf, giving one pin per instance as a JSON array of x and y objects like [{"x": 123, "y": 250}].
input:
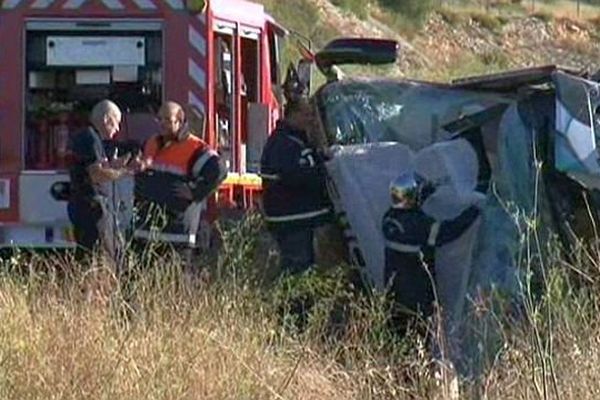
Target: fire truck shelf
[
  {"x": 234, "y": 178},
  {"x": 55, "y": 236},
  {"x": 44, "y": 172}
]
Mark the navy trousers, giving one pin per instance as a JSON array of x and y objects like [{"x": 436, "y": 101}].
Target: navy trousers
[
  {"x": 84, "y": 214},
  {"x": 411, "y": 287},
  {"x": 296, "y": 249}
]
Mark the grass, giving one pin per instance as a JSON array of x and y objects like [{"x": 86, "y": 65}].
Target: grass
[
  {"x": 82, "y": 333},
  {"x": 303, "y": 17},
  {"x": 488, "y": 21},
  {"x": 359, "y": 8},
  {"x": 576, "y": 46},
  {"x": 452, "y": 17},
  {"x": 469, "y": 65},
  {"x": 543, "y": 15},
  {"x": 566, "y": 8},
  {"x": 549, "y": 9},
  {"x": 408, "y": 26}
]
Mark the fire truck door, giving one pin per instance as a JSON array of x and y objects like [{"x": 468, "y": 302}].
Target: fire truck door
[{"x": 224, "y": 94}]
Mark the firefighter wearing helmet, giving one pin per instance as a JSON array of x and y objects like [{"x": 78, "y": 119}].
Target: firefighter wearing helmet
[
  {"x": 411, "y": 237},
  {"x": 295, "y": 200}
]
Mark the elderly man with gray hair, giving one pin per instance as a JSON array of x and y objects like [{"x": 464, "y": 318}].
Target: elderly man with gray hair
[{"x": 95, "y": 165}]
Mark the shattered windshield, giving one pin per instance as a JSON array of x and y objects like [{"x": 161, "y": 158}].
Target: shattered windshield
[
  {"x": 413, "y": 113},
  {"x": 359, "y": 112}
]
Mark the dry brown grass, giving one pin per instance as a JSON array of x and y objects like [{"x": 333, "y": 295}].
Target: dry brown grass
[
  {"x": 549, "y": 10},
  {"x": 566, "y": 9},
  {"x": 576, "y": 358},
  {"x": 161, "y": 335},
  {"x": 59, "y": 344}
]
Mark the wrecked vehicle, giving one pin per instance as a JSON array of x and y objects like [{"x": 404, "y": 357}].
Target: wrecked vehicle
[
  {"x": 534, "y": 133},
  {"x": 533, "y": 130}
]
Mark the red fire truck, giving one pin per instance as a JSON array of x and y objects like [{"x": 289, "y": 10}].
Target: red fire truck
[{"x": 221, "y": 58}]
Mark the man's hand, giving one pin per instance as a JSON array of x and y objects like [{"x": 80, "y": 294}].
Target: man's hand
[
  {"x": 120, "y": 162},
  {"x": 140, "y": 164},
  {"x": 183, "y": 191},
  {"x": 101, "y": 173}
]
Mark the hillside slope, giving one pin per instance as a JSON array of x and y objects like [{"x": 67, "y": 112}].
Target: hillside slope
[{"x": 457, "y": 42}]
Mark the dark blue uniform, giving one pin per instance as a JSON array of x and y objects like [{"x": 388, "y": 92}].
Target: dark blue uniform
[
  {"x": 295, "y": 197},
  {"x": 410, "y": 241},
  {"x": 84, "y": 210}
]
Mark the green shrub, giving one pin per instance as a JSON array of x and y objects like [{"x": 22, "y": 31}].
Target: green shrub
[
  {"x": 543, "y": 16},
  {"x": 360, "y": 8},
  {"x": 413, "y": 10},
  {"x": 303, "y": 17},
  {"x": 451, "y": 17},
  {"x": 496, "y": 58},
  {"x": 487, "y": 21}
]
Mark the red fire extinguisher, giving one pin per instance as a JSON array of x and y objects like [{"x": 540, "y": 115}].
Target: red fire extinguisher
[{"x": 43, "y": 145}]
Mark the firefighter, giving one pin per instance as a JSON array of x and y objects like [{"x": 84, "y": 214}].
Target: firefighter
[
  {"x": 295, "y": 200},
  {"x": 182, "y": 172},
  {"x": 411, "y": 238},
  {"x": 92, "y": 171}
]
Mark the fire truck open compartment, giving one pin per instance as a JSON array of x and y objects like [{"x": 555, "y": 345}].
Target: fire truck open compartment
[
  {"x": 254, "y": 114},
  {"x": 71, "y": 65},
  {"x": 241, "y": 114}
]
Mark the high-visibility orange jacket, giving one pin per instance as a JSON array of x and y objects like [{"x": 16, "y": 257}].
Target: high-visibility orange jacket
[{"x": 187, "y": 162}]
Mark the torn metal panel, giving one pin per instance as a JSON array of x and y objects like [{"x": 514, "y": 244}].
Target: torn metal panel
[
  {"x": 511, "y": 81},
  {"x": 577, "y": 127}
]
